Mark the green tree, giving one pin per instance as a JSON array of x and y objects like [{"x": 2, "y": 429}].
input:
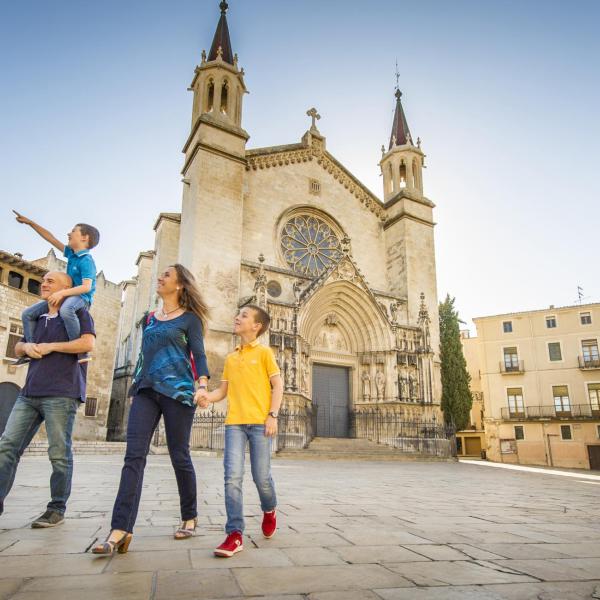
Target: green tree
[{"x": 456, "y": 395}]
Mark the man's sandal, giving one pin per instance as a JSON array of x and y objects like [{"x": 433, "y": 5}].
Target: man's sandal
[{"x": 183, "y": 532}]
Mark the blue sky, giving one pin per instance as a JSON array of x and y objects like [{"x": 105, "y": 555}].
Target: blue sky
[{"x": 504, "y": 95}]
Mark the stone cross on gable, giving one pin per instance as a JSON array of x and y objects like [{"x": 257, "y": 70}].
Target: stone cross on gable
[{"x": 315, "y": 116}]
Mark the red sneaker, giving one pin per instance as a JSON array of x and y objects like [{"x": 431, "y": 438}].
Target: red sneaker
[
  {"x": 231, "y": 545},
  {"x": 269, "y": 524}
]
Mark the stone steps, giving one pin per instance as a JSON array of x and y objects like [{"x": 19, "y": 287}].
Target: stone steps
[
  {"x": 354, "y": 449},
  {"x": 80, "y": 447}
]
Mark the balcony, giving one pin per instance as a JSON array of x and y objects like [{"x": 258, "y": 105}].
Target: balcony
[
  {"x": 589, "y": 363},
  {"x": 512, "y": 368},
  {"x": 532, "y": 413}
]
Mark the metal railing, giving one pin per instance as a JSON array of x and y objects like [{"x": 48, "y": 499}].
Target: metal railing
[
  {"x": 208, "y": 431},
  {"x": 575, "y": 411},
  {"x": 414, "y": 437},
  {"x": 298, "y": 428},
  {"x": 514, "y": 367},
  {"x": 586, "y": 362}
]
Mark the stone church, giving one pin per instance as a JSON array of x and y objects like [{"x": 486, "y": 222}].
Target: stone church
[{"x": 348, "y": 279}]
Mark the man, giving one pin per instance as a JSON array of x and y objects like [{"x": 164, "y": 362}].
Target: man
[{"x": 54, "y": 387}]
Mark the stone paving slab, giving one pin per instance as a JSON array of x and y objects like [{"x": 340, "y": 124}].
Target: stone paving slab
[
  {"x": 294, "y": 580},
  {"x": 512, "y": 591},
  {"x": 348, "y": 531}
]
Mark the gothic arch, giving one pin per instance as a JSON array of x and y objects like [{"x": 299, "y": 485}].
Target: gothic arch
[{"x": 360, "y": 321}]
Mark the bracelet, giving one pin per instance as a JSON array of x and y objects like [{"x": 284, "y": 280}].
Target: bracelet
[{"x": 202, "y": 387}]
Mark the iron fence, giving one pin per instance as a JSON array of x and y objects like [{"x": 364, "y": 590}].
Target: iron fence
[
  {"x": 298, "y": 428},
  {"x": 295, "y": 431},
  {"x": 412, "y": 437}
]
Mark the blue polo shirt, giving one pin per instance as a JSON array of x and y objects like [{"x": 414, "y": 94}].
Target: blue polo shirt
[
  {"x": 57, "y": 374},
  {"x": 80, "y": 266}
]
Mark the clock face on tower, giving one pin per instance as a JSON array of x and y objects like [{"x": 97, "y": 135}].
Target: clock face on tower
[{"x": 309, "y": 245}]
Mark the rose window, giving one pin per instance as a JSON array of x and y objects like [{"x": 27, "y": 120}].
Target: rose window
[{"x": 309, "y": 245}]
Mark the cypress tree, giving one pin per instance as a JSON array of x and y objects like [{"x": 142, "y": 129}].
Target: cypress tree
[{"x": 456, "y": 396}]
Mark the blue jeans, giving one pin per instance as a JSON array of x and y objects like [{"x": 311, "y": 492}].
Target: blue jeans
[
  {"x": 236, "y": 437},
  {"x": 25, "y": 419},
  {"x": 146, "y": 408},
  {"x": 67, "y": 311}
]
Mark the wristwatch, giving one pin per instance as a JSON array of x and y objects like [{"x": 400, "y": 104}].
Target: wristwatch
[{"x": 273, "y": 414}]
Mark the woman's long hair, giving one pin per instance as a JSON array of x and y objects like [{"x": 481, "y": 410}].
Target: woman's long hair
[{"x": 190, "y": 297}]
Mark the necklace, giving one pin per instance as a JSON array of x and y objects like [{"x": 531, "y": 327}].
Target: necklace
[{"x": 166, "y": 313}]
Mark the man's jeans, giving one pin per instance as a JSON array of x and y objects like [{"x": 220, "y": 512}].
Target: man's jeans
[
  {"x": 68, "y": 312},
  {"x": 236, "y": 437},
  {"x": 25, "y": 419}
]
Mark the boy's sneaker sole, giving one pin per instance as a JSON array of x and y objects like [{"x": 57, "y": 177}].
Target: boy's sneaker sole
[{"x": 228, "y": 553}]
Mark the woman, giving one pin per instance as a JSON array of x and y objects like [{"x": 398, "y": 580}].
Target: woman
[{"x": 172, "y": 353}]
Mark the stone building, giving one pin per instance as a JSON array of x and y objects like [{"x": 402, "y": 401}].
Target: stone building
[
  {"x": 471, "y": 441},
  {"x": 348, "y": 278},
  {"x": 540, "y": 376},
  {"x": 20, "y": 281}
]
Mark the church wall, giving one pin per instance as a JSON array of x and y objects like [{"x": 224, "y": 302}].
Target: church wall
[
  {"x": 270, "y": 192},
  {"x": 166, "y": 253},
  {"x": 211, "y": 229}
]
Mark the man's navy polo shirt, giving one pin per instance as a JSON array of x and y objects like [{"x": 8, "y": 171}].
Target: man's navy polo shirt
[
  {"x": 57, "y": 373},
  {"x": 80, "y": 266}
]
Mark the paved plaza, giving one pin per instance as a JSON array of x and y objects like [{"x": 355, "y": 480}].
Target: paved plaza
[{"x": 348, "y": 531}]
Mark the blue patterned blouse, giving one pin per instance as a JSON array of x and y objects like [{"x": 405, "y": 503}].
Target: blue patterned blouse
[{"x": 168, "y": 350}]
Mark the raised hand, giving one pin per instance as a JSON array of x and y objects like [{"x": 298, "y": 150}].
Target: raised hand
[{"x": 21, "y": 218}]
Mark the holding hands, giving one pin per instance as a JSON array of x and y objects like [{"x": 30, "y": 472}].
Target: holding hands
[{"x": 201, "y": 398}]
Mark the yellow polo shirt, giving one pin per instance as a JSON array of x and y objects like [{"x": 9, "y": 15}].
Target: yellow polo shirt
[{"x": 247, "y": 372}]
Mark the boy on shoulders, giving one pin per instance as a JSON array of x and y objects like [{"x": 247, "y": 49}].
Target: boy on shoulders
[{"x": 82, "y": 270}]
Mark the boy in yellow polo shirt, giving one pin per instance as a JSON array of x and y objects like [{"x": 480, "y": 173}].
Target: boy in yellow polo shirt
[{"x": 254, "y": 390}]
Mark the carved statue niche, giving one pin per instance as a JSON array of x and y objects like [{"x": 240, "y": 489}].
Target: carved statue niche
[
  {"x": 304, "y": 373},
  {"x": 403, "y": 384},
  {"x": 380, "y": 384},
  {"x": 366, "y": 385}
]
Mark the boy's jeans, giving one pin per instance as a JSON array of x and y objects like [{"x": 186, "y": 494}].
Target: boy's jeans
[
  {"x": 236, "y": 437},
  {"x": 25, "y": 419},
  {"x": 68, "y": 312}
]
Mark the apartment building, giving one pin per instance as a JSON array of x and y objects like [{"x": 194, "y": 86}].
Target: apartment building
[{"x": 540, "y": 378}]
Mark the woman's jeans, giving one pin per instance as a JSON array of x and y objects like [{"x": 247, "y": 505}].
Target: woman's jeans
[
  {"x": 67, "y": 311},
  {"x": 27, "y": 415},
  {"x": 146, "y": 409},
  {"x": 236, "y": 437}
]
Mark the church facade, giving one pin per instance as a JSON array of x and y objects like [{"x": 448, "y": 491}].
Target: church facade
[{"x": 349, "y": 279}]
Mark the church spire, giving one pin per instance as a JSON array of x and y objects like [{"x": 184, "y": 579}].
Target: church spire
[
  {"x": 221, "y": 42},
  {"x": 400, "y": 133}
]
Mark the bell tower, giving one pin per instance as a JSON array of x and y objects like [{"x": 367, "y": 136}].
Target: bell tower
[
  {"x": 409, "y": 225},
  {"x": 402, "y": 164},
  {"x": 210, "y": 241},
  {"x": 218, "y": 83}
]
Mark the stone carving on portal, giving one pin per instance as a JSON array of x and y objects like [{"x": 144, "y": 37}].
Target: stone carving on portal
[
  {"x": 330, "y": 337},
  {"x": 366, "y": 385},
  {"x": 304, "y": 374},
  {"x": 380, "y": 385}
]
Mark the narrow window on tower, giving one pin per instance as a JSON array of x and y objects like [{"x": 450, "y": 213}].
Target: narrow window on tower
[
  {"x": 210, "y": 96},
  {"x": 402, "y": 175},
  {"x": 224, "y": 99}
]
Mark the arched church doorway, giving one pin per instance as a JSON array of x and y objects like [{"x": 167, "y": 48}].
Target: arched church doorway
[
  {"x": 331, "y": 400},
  {"x": 8, "y": 396}
]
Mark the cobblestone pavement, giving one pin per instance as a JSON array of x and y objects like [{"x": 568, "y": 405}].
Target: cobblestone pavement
[{"x": 348, "y": 530}]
